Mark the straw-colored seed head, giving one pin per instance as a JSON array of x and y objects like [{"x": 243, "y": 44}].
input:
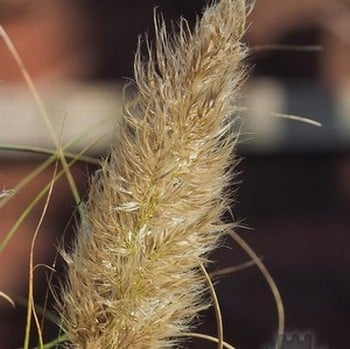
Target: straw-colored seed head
[{"x": 154, "y": 211}]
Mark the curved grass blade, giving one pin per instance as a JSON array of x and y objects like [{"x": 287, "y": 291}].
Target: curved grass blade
[
  {"x": 208, "y": 338},
  {"x": 269, "y": 279},
  {"x": 31, "y": 305},
  {"x": 45, "y": 151},
  {"x": 219, "y": 322}
]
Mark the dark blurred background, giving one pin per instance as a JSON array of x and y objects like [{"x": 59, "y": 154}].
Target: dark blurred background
[{"x": 295, "y": 190}]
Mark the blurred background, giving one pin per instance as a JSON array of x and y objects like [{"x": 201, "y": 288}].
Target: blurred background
[{"x": 295, "y": 184}]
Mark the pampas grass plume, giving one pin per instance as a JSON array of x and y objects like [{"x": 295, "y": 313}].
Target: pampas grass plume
[{"x": 154, "y": 210}]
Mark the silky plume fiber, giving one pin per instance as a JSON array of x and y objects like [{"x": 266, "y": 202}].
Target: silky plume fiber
[{"x": 154, "y": 211}]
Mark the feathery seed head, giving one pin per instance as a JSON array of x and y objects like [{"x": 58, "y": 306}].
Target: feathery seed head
[{"x": 154, "y": 211}]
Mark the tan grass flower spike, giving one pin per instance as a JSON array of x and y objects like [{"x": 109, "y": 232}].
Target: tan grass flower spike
[{"x": 154, "y": 210}]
